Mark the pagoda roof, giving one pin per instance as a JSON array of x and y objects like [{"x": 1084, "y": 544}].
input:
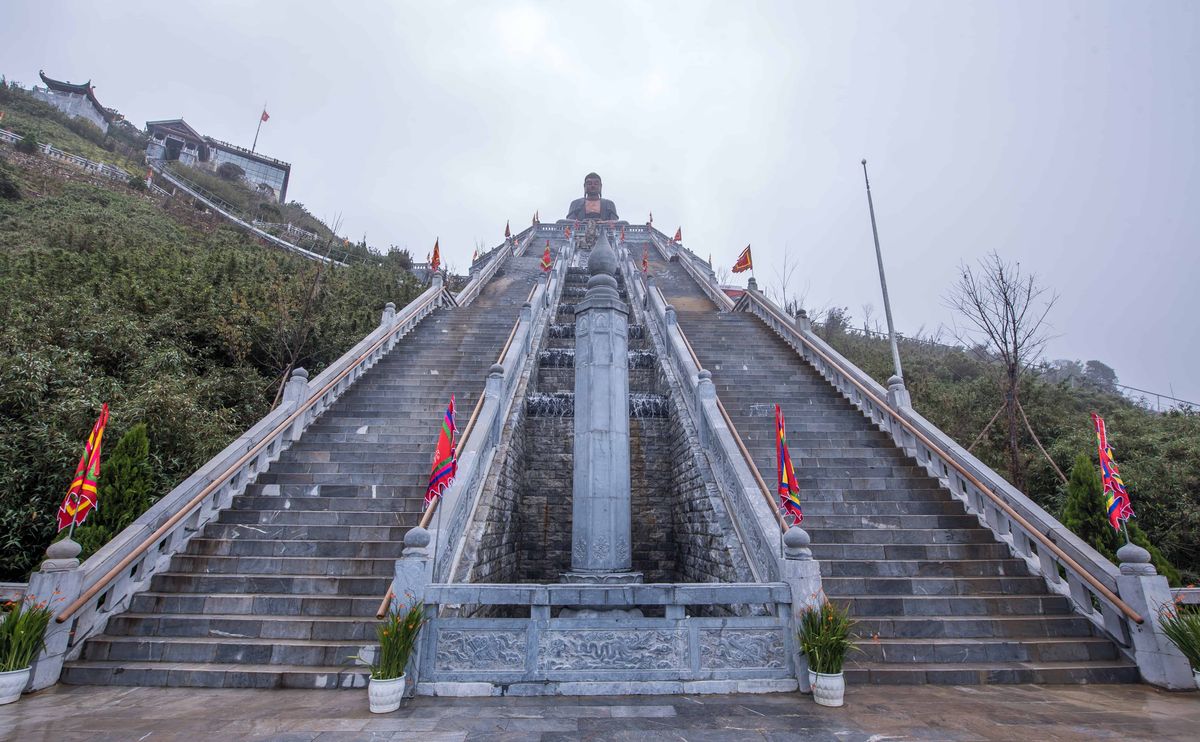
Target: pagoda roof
[
  {"x": 177, "y": 126},
  {"x": 84, "y": 89}
]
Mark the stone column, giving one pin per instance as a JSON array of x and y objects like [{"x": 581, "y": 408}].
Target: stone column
[
  {"x": 802, "y": 573},
  {"x": 1159, "y": 661},
  {"x": 600, "y": 533},
  {"x": 58, "y": 583}
]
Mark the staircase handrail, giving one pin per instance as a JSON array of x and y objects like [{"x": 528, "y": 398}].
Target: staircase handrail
[
  {"x": 976, "y": 484},
  {"x": 215, "y": 483},
  {"x": 756, "y": 518},
  {"x": 227, "y": 211},
  {"x": 700, "y": 271},
  {"x": 485, "y": 274}
]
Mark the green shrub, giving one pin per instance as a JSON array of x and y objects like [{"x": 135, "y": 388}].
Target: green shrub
[
  {"x": 230, "y": 171},
  {"x": 22, "y": 633},
  {"x": 397, "y": 635},
  {"x": 28, "y": 143},
  {"x": 137, "y": 183},
  {"x": 825, "y": 637},
  {"x": 10, "y": 189},
  {"x": 1181, "y": 624}
]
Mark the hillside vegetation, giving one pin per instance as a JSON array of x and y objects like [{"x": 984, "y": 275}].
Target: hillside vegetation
[
  {"x": 1159, "y": 454},
  {"x": 176, "y": 321}
]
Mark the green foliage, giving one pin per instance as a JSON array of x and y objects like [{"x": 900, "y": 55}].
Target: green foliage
[
  {"x": 105, "y": 297},
  {"x": 1086, "y": 512},
  {"x": 28, "y": 144},
  {"x": 22, "y": 633},
  {"x": 1182, "y": 626},
  {"x": 230, "y": 171},
  {"x": 137, "y": 183},
  {"x": 123, "y": 146},
  {"x": 126, "y": 490},
  {"x": 825, "y": 637},
  {"x": 397, "y": 635},
  {"x": 1159, "y": 454},
  {"x": 10, "y": 189}
]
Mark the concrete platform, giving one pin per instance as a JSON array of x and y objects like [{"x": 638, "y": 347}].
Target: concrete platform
[{"x": 1018, "y": 712}]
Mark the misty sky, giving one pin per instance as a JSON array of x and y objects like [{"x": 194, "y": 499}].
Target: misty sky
[{"x": 1061, "y": 135}]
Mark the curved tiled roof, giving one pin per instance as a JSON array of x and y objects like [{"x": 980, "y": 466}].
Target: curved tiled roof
[{"x": 59, "y": 86}]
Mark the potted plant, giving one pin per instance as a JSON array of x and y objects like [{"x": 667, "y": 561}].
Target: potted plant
[
  {"x": 397, "y": 635},
  {"x": 825, "y": 640},
  {"x": 1181, "y": 624},
  {"x": 22, "y": 636}
]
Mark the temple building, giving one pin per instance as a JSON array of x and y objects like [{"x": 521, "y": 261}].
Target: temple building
[
  {"x": 174, "y": 139},
  {"x": 78, "y": 101}
]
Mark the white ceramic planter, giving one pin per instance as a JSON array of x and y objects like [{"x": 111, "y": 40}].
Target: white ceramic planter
[
  {"x": 12, "y": 684},
  {"x": 385, "y": 695},
  {"x": 828, "y": 689}
]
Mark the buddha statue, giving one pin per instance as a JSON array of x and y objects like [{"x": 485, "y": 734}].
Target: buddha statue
[{"x": 591, "y": 206}]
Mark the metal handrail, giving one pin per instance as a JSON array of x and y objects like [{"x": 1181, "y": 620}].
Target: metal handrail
[
  {"x": 996, "y": 499},
  {"x": 229, "y": 471},
  {"x": 737, "y": 438}
]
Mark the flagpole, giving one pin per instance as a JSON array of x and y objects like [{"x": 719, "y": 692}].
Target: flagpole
[
  {"x": 256, "y": 131},
  {"x": 887, "y": 305}
]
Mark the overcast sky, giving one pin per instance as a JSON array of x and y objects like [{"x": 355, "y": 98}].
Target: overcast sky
[{"x": 1061, "y": 135}]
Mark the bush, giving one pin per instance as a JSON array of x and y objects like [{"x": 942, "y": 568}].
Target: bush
[
  {"x": 137, "y": 183},
  {"x": 1181, "y": 624},
  {"x": 230, "y": 171},
  {"x": 28, "y": 143},
  {"x": 125, "y": 491},
  {"x": 397, "y": 635},
  {"x": 9, "y": 188}
]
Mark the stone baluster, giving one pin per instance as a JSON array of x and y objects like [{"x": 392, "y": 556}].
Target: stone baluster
[
  {"x": 57, "y": 583},
  {"x": 1147, "y": 592},
  {"x": 802, "y": 573}
]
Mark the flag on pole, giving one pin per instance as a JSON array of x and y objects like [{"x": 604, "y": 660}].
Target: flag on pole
[
  {"x": 265, "y": 117},
  {"x": 646, "y": 258},
  {"x": 436, "y": 261},
  {"x": 567, "y": 231},
  {"x": 678, "y": 235},
  {"x": 789, "y": 491},
  {"x": 81, "y": 497},
  {"x": 536, "y": 220},
  {"x": 546, "y": 262},
  {"x": 507, "y": 233},
  {"x": 710, "y": 260},
  {"x": 651, "y": 220},
  {"x": 445, "y": 461},
  {"x": 1115, "y": 496},
  {"x": 622, "y": 234},
  {"x": 474, "y": 256},
  {"x": 744, "y": 262}
]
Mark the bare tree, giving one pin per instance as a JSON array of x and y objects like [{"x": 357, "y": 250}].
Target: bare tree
[
  {"x": 723, "y": 275},
  {"x": 1006, "y": 315},
  {"x": 781, "y": 289}
]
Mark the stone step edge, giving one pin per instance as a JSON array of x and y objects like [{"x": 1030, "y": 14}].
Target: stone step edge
[
  {"x": 983, "y": 641},
  {"x": 218, "y": 667},
  {"x": 274, "y": 617},
  {"x": 987, "y": 666},
  {"x": 249, "y": 640}
]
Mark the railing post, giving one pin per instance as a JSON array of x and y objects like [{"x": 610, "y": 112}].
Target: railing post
[
  {"x": 803, "y": 323},
  {"x": 1146, "y": 591},
  {"x": 802, "y": 573},
  {"x": 898, "y": 396},
  {"x": 413, "y": 573},
  {"x": 294, "y": 394},
  {"x": 672, "y": 317},
  {"x": 389, "y": 314},
  {"x": 705, "y": 391},
  {"x": 57, "y": 583}
]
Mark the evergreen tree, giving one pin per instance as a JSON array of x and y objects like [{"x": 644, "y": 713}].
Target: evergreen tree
[
  {"x": 1085, "y": 511},
  {"x": 126, "y": 490}
]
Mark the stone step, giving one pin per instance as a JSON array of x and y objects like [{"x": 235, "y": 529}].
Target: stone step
[
  {"x": 813, "y": 508},
  {"x": 239, "y": 626},
  {"x": 923, "y": 651},
  {"x": 270, "y": 477},
  {"x": 320, "y": 518},
  {"x": 266, "y": 605},
  {"x": 212, "y": 675},
  {"x": 220, "y": 649},
  {"x": 955, "y": 605},
  {"x": 911, "y": 536},
  {"x": 295, "y": 548},
  {"x": 835, "y": 551},
  {"x": 974, "y": 627},
  {"x": 256, "y": 583},
  {"x": 392, "y": 504},
  {"x": 924, "y": 492},
  {"x": 302, "y": 531},
  {"x": 283, "y": 565},
  {"x": 924, "y": 568},
  {"x": 346, "y": 493},
  {"x": 979, "y": 673},
  {"x": 954, "y": 585},
  {"x": 890, "y": 522}
]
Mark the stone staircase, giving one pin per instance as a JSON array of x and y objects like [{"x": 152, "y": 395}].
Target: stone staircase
[
  {"x": 282, "y": 588},
  {"x": 937, "y": 598}
]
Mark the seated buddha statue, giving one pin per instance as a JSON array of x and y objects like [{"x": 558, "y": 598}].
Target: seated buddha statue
[{"x": 591, "y": 206}]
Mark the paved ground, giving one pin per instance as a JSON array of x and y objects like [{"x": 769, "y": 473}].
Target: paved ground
[{"x": 1029, "y": 713}]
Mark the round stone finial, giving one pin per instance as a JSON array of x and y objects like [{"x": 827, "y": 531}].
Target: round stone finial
[
  {"x": 796, "y": 538},
  {"x": 704, "y": 375},
  {"x": 416, "y": 538},
  {"x": 496, "y": 370},
  {"x": 802, "y": 313},
  {"x": 1135, "y": 560},
  {"x": 894, "y": 380},
  {"x": 65, "y": 549},
  {"x": 300, "y": 373},
  {"x": 390, "y": 305}
]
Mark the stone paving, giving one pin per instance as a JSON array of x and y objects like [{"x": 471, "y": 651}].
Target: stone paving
[{"x": 1018, "y": 712}]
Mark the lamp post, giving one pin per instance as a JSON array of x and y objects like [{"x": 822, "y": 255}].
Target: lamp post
[{"x": 896, "y": 391}]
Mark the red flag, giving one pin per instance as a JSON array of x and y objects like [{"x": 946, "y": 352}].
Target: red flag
[
  {"x": 445, "y": 460},
  {"x": 622, "y": 234},
  {"x": 546, "y": 262},
  {"x": 1115, "y": 497},
  {"x": 474, "y": 256},
  {"x": 266, "y": 116},
  {"x": 646, "y": 258},
  {"x": 436, "y": 261},
  {"x": 81, "y": 497},
  {"x": 744, "y": 263},
  {"x": 651, "y": 221},
  {"x": 507, "y": 233},
  {"x": 678, "y": 235},
  {"x": 567, "y": 231},
  {"x": 789, "y": 491}
]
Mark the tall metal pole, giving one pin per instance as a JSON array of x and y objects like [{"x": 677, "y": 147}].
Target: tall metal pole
[
  {"x": 887, "y": 304},
  {"x": 260, "y": 122}
]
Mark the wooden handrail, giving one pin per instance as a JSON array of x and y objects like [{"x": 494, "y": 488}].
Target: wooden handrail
[
  {"x": 737, "y": 438},
  {"x": 1008, "y": 509},
  {"x": 224, "y": 476}
]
